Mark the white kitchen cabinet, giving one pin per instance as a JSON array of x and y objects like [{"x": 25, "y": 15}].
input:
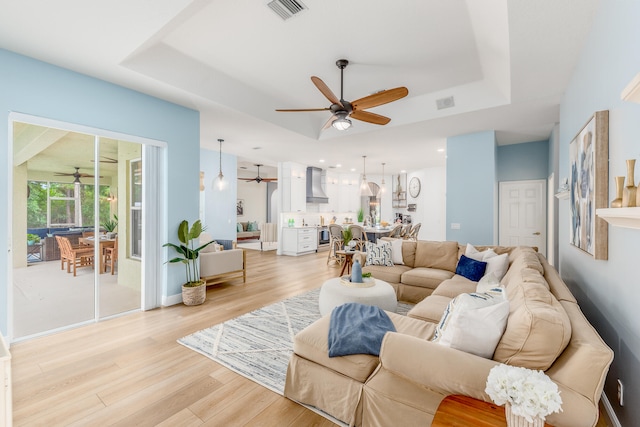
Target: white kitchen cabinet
[
  {"x": 293, "y": 187},
  {"x": 299, "y": 240}
]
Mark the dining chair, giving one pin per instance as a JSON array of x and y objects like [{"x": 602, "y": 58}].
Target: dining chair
[
  {"x": 110, "y": 257},
  {"x": 336, "y": 242},
  {"x": 395, "y": 231},
  {"x": 404, "y": 233},
  {"x": 359, "y": 236},
  {"x": 413, "y": 233},
  {"x": 74, "y": 257}
]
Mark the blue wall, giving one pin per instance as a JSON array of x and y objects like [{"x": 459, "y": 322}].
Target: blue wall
[
  {"x": 220, "y": 206},
  {"x": 519, "y": 162},
  {"x": 36, "y": 88},
  {"x": 471, "y": 187},
  {"x": 608, "y": 291}
]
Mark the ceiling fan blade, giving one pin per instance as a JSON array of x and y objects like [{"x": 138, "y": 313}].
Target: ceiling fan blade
[
  {"x": 64, "y": 174},
  {"x": 269, "y": 179},
  {"x": 368, "y": 117},
  {"x": 322, "y": 87},
  {"x": 301, "y": 109},
  {"x": 380, "y": 98},
  {"x": 329, "y": 122}
]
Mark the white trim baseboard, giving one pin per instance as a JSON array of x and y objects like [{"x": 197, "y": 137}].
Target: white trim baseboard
[
  {"x": 172, "y": 300},
  {"x": 610, "y": 412}
]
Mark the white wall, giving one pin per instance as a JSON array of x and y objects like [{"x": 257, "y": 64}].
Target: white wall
[
  {"x": 255, "y": 201},
  {"x": 431, "y": 203}
]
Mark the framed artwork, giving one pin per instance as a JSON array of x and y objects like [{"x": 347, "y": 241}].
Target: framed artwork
[
  {"x": 589, "y": 157},
  {"x": 240, "y": 207},
  {"x": 399, "y": 190}
]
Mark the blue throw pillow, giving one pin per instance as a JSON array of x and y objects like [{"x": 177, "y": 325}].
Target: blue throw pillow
[
  {"x": 470, "y": 268},
  {"x": 239, "y": 228}
]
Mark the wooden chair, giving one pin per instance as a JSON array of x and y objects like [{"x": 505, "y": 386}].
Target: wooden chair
[
  {"x": 110, "y": 257},
  {"x": 404, "y": 233},
  {"x": 336, "y": 242},
  {"x": 359, "y": 236},
  {"x": 74, "y": 257}
]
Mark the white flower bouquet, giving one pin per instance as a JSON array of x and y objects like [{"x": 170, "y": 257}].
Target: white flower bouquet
[{"x": 531, "y": 393}]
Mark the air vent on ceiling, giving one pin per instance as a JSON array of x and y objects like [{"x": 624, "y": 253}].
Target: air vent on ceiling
[
  {"x": 443, "y": 103},
  {"x": 286, "y": 9}
]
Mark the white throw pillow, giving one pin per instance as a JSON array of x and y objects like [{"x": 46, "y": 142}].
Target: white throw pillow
[
  {"x": 379, "y": 254},
  {"x": 498, "y": 264},
  {"x": 474, "y": 323},
  {"x": 487, "y": 283},
  {"x": 396, "y": 252}
]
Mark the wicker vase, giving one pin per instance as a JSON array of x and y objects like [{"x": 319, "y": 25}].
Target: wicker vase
[
  {"x": 629, "y": 192},
  {"x": 194, "y": 295},
  {"x": 514, "y": 420},
  {"x": 617, "y": 202}
]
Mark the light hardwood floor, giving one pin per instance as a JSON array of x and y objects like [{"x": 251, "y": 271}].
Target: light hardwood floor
[{"x": 131, "y": 371}]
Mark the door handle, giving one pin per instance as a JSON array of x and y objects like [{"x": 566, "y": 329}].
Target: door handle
[{"x": 537, "y": 233}]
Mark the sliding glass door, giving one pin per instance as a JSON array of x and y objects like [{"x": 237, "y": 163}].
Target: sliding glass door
[{"x": 76, "y": 237}]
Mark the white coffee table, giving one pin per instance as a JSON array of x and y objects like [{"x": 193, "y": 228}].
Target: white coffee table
[{"x": 333, "y": 294}]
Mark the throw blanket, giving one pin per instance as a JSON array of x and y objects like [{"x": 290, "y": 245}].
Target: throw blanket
[{"x": 357, "y": 329}]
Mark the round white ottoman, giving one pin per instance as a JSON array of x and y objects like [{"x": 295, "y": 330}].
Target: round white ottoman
[{"x": 333, "y": 294}]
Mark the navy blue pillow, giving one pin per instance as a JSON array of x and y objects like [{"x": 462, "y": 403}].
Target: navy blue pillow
[{"x": 470, "y": 268}]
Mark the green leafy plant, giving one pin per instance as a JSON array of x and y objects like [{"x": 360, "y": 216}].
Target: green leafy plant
[
  {"x": 346, "y": 236},
  {"x": 110, "y": 224},
  {"x": 188, "y": 252},
  {"x": 33, "y": 238},
  {"x": 366, "y": 274},
  {"x": 360, "y": 215}
]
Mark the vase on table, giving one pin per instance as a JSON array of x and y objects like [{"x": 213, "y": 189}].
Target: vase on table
[
  {"x": 617, "y": 202},
  {"x": 514, "y": 420},
  {"x": 629, "y": 192}
]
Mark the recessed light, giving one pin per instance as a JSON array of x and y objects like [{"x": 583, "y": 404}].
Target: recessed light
[
  {"x": 338, "y": 165},
  {"x": 353, "y": 169},
  {"x": 257, "y": 148},
  {"x": 321, "y": 160},
  {"x": 440, "y": 150},
  {"x": 403, "y": 171}
]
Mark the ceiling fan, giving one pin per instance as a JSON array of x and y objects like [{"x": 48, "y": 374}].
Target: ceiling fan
[
  {"x": 342, "y": 109},
  {"x": 76, "y": 175},
  {"x": 258, "y": 178},
  {"x": 107, "y": 160}
]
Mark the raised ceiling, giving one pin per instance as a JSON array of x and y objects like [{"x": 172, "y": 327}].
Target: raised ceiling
[{"x": 505, "y": 62}]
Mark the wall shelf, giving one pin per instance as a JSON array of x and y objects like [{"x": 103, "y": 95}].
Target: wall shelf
[{"x": 621, "y": 217}]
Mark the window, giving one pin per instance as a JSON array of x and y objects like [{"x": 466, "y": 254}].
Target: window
[{"x": 135, "y": 207}]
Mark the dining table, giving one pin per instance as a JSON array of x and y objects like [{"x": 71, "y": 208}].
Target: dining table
[
  {"x": 104, "y": 243},
  {"x": 377, "y": 231}
]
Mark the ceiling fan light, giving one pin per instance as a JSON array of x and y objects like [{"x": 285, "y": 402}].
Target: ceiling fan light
[{"x": 341, "y": 123}]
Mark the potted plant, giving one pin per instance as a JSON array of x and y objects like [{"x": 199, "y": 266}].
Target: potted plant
[
  {"x": 346, "y": 236},
  {"x": 32, "y": 238},
  {"x": 360, "y": 216},
  {"x": 194, "y": 291},
  {"x": 110, "y": 226}
]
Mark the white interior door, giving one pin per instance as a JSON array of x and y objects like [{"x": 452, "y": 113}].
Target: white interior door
[{"x": 523, "y": 214}]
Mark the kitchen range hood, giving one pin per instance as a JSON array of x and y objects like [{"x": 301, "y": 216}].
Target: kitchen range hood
[{"x": 315, "y": 194}]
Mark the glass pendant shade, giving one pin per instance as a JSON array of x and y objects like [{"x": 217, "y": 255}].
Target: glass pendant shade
[
  {"x": 219, "y": 183},
  {"x": 365, "y": 190}
]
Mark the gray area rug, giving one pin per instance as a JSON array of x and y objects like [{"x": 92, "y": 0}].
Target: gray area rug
[{"x": 258, "y": 345}]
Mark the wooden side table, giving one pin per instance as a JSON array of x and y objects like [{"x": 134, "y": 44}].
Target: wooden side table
[
  {"x": 464, "y": 411},
  {"x": 348, "y": 256}
]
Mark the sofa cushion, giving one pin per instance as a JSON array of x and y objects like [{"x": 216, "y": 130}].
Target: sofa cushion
[
  {"x": 474, "y": 323},
  {"x": 470, "y": 268},
  {"x": 425, "y": 277},
  {"x": 441, "y": 255},
  {"x": 455, "y": 286},
  {"x": 538, "y": 329},
  {"x": 312, "y": 344},
  {"x": 388, "y": 274},
  {"x": 430, "y": 309}
]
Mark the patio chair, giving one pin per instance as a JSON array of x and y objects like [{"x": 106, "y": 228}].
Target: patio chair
[
  {"x": 74, "y": 257},
  {"x": 110, "y": 257}
]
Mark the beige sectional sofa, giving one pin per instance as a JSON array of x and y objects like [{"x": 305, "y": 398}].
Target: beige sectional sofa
[{"x": 404, "y": 385}]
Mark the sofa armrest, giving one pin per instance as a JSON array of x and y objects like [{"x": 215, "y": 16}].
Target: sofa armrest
[{"x": 439, "y": 368}]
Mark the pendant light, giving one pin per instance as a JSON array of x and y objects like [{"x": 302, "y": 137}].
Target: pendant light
[
  {"x": 365, "y": 190},
  {"x": 382, "y": 184},
  {"x": 219, "y": 182}
]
